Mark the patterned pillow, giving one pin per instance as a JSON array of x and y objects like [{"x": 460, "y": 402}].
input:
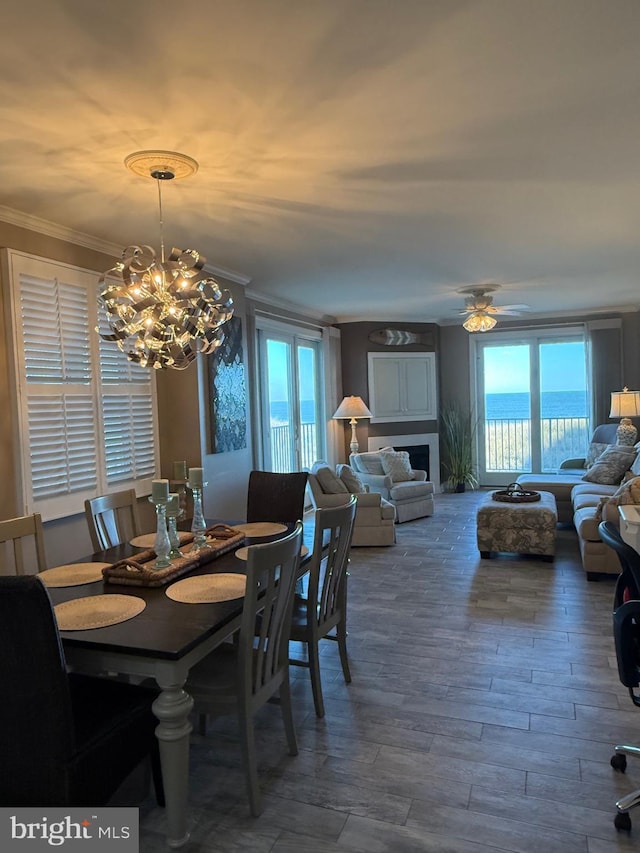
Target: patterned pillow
[
  {"x": 596, "y": 448},
  {"x": 370, "y": 463},
  {"x": 628, "y": 493},
  {"x": 330, "y": 483},
  {"x": 396, "y": 464},
  {"x": 351, "y": 480},
  {"x": 610, "y": 466}
]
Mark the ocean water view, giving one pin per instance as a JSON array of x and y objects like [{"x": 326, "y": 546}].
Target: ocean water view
[
  {"x": 516, "y": 406},
  {"x": 553, "y": 404}
]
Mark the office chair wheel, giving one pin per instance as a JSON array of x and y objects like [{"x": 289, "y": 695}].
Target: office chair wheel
[
  {"x": 622, "y": 821},
  {"x": 619, "y": 762}
]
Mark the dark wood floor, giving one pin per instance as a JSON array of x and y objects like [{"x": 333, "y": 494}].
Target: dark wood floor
[{"x": 483, "y": 709}]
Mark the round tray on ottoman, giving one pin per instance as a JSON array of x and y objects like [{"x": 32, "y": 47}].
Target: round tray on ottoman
[{"x": 520, "y": 527}]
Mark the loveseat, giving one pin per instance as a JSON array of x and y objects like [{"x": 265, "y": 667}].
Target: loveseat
[
  {"x": 375, "y": 517},
  {"x": 588, "y": 490}
]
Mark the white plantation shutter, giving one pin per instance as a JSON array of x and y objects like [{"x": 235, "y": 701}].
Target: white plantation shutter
[{"x": 86, "y": 416}]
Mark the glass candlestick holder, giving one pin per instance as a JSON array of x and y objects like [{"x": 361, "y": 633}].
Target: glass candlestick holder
[
  {"x": 161, "y": 544},
  {"x": 199, "y": 525},
  {"x": 174, "y": 511}
]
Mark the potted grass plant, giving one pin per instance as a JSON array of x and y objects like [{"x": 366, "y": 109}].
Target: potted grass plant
[{"x": 458, "y": 435}]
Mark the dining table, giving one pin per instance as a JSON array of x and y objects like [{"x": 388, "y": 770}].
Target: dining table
[{"x": 162, "y": 642}]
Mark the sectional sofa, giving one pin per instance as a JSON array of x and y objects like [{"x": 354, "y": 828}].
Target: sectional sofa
[{"x": 583, "y": 501}]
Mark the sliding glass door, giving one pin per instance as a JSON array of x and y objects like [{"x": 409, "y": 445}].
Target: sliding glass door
[
  {"x": 291, "y": 410},
  {"x": 532, "y": 401}
]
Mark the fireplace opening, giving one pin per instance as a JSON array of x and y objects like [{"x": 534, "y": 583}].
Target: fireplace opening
[{"x": 418, "y": 456}]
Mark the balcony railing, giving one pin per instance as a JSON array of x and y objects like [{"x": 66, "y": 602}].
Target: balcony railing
[
  {"x": 282, "y": 459},
  {"x": 508, "y": 442}
]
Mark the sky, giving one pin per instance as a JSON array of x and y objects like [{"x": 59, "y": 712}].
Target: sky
[{"x": 562, "y": 368}]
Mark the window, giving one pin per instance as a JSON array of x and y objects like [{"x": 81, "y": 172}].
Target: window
[
  {"x": 291, "y": 399},
  {"x": 533, "y": 401},
  {"x": 86, "y": 417}
]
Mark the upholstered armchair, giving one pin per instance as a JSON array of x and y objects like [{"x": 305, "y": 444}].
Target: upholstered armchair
[
  {"x": 375, "y": 517},
  {"x": 389, "y": 473}
]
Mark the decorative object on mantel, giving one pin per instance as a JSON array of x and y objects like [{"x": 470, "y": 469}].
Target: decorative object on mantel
[
  {"x": 401, "y": 338},
  {"x": 625, "y": 404},
  {"x": 162, "y": 311},
  {"x": 352, "y": 408}
]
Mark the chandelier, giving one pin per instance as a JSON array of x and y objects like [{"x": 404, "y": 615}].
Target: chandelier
[
  {"x": 479, "y": 321},
  {"x": 162, "y": 310}
]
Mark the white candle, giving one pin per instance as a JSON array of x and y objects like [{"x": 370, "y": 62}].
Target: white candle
[
  {"x": 159, "y": 490},
  {"x": 195, "y": 477},
  {"x": 179, "y": 470}
]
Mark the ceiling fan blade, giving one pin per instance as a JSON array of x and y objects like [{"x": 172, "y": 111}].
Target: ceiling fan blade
[{"x": 512, "y": 307}]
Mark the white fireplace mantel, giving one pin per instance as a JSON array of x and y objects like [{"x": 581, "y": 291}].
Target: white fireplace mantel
[{"x": 429, "y": 438}]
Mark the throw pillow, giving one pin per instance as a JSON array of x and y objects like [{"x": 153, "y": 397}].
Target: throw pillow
[
  {"x": 353, "y": 483},
  {"x": 370, "y": 463},
  {"x": 628, "y": 493},
  {"x": 396, "y": 464},
  {"x": 596, "y": 448},
  {"x": 610, "y": 466},
  {"x": 330, "y": 483}
]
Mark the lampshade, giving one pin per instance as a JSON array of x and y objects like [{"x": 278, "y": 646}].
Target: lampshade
[
  {"x": 352, "y": 407},
  {"x": 479, "y": 321},
  {"x": 162, "y": 310},
  {"x": 625, "y": 404}
]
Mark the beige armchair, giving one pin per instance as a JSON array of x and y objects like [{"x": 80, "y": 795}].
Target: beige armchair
[
  {"x": 388, "y": 472},
  {"x": 375, "y": 517}
]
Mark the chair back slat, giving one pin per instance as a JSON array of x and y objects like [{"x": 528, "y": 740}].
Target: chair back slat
[
  {"x": 12, "y": 532},
  {"x": 327, "y": 575},
  {"x": 272, "y": 569},
  {"x": 112, "y": 519}
]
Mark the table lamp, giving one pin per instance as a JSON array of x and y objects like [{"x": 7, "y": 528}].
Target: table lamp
[
  {"x": 625, "y": 404},
  {"x": 352, "y": 408}
]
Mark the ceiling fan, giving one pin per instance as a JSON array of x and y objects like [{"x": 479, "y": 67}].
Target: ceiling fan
[{"x": 480, "y": 310}]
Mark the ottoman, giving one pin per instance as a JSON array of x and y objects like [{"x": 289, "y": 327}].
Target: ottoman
[{"x": 521, "y": 528}]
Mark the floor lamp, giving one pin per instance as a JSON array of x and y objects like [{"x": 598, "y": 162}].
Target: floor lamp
[{"x": 352, "y": 408}]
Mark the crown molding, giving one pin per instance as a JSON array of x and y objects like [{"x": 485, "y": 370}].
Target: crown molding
[
  {"x": 79, "y": 238},
  {"x": 60, "y": 232},
  {"x": 289, "y": 306}
]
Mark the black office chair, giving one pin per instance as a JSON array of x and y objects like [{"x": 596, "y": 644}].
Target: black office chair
[
  {"x": 276, "y": 497},
  {"x": 626, "y": 633},
  {"x": 66, "y": 739}
]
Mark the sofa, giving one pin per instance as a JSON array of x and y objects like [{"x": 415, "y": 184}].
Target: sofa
[
  {"x": 375, "y": 517},
  {"x": 589, "y": 490},
  {"x": 389, "y": 473}
]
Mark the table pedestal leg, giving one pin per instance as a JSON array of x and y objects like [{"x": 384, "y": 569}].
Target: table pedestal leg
[{"x": 172, "y": 708}]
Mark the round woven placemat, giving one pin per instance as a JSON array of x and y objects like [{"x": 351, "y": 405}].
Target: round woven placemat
[
  {"x": 204, "y": 589},
  {"x": 97, "y": 611},
  {"x": 241, "y": 553},
  {"x": 147, "y": 539},
  {"x": 73, "y": 574},
  {"x": 260, "y": 528}
]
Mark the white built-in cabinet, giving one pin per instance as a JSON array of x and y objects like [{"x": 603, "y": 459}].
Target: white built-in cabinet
[{"x": 402, "y": 387}]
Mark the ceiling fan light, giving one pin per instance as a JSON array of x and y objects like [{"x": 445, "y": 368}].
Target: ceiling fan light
[{"x": 479, "y": 321}]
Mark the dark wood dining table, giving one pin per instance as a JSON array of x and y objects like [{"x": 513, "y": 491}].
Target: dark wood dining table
[{"x": 162, "y": 642}]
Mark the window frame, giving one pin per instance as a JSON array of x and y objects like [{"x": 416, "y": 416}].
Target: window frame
[{"x": 16, "y": 266}]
